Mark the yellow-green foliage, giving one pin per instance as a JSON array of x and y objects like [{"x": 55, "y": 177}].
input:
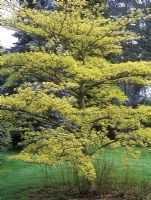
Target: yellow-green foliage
[
  {"x": 141, "y": 138},
  {"x": 74, "y": 94}
]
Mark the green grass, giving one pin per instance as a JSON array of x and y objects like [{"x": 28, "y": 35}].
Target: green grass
[
  {"x": 140, "y": 166},
  {"x": 16, "y": 176}
]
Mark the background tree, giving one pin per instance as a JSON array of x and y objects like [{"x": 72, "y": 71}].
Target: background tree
[
  {"x": 135, "y": 50},
  {"x": 140, "y": 49},
  {"x": 132, "y": 50},
  {"x": 1, "y": 79}
]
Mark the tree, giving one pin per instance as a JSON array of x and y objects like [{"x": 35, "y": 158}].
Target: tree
[
  {"x": 27, "y": 42},
  {"x": 75, "y": 96},
  {"x": 1, "y": 49},
  {"x": 135, "y": 50},
  {"x": 5, "y": 138},
  {"x": 140, "y": 49},
  {"x": 1, "y": 79}
]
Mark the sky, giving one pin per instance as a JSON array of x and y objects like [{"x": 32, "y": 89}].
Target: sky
[{"x": 6, "y": 37}]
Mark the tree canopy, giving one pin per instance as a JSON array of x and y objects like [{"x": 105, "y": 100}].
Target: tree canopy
[{"x": 69, "y": 89}]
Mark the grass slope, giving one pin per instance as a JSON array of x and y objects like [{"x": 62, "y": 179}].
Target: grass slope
[{"x": 17, "y": 175}]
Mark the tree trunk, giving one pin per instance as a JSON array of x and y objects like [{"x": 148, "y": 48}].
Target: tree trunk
[{"x": 93, "y": 187}]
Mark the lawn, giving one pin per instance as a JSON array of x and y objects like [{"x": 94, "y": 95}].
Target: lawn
[{"x": 17, "y": 176}]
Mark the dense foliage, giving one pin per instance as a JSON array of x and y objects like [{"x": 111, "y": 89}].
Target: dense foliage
[
  {"x": 134, "y": 50},
  {"x": 69, "y": 97},
  {"x": 27, "y": 42}
]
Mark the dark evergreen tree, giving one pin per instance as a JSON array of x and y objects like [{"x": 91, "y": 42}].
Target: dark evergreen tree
[
  {"x": 1, "y": 78},
  {"x": 134, "y": 50},
  {"x": 1, "y": 49},
  {"x": 140, "y": 49}
]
